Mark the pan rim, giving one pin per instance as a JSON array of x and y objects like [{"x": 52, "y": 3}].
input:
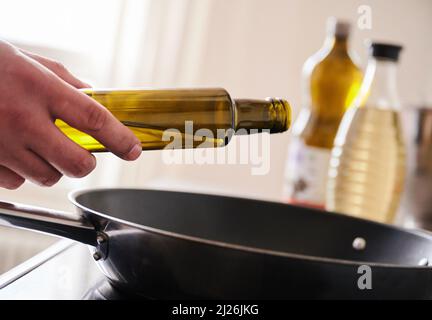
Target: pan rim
[{"x": 420, "y": 233}]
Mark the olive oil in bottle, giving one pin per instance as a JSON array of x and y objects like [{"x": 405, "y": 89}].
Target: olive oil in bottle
[
  {"x": 331, "y": 81},
  {"x": 367, "y": 167},
  {"x": 195, "y": 117}
]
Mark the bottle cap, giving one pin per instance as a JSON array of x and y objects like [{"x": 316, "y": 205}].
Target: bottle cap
[
  {"x": 338, "y": 28},
  {"x": 385, "y": 51}
]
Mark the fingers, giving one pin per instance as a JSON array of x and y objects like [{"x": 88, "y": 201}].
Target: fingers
[
  {"x": 9, "y": 179},
  {"x": 62, "y": 153},
  {"x": 58, "y": 68},
  {"x": 34, "y": 93},
  {"x": 85, "y": 114},
  {"x": 30, "y": 166}
]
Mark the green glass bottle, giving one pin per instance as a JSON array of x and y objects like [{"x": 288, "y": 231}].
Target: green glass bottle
[{"x": 158, "y": 116}]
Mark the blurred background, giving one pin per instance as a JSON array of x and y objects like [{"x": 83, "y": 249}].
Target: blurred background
[{"x": 253, "y": 48}]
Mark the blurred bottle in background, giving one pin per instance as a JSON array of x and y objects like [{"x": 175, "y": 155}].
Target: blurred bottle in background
[
  {"x": 367, "y": 167},
  {"x": 331, "y": 81},
  {"x": 416, "y": 205}
]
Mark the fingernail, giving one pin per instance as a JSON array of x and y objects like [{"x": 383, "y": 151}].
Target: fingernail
[
  {"x": 93, "y": 161},
  {"x": 134, "y": 153}
]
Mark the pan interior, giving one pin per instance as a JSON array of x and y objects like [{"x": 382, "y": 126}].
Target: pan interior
[{"x": 259, "y": 224}]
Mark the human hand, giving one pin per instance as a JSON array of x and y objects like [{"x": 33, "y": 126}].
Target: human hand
[{"x": 34, "y": 92}]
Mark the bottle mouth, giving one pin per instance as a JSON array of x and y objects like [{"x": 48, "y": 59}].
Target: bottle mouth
[
  {"x": 282, "y": 113},
  {"x": 338, "y": 28}
]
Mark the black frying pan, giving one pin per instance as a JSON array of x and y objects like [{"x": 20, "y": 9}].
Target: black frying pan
[{"x": 162, "y": 244}]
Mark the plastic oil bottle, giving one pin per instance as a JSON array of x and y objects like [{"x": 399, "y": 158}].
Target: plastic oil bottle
[
  {"x": 331, "y": 81},
  {"x": 367, "y": 165}
]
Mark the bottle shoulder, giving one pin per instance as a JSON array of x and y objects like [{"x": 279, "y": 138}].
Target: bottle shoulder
[
  {"x": 331, "y": 55},
  {"x": 335, "y": 65},
  {"x": 313, "y": 61}
]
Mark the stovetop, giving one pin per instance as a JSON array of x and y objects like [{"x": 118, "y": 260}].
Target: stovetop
[{"x": 63, "y": 271}]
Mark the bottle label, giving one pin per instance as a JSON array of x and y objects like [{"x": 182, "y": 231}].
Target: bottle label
[{"x": 306, "y": 173}]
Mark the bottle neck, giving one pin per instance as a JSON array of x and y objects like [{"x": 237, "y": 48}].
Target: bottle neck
[
  {"x": 336, "y": 44},
  {"x": 254, "y": 116},
  {"x": 337, "y": 32},
  {"x": 379, "y": 88}
]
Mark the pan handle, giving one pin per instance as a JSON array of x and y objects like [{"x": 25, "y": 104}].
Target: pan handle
[{"x": 60, "y": 223}]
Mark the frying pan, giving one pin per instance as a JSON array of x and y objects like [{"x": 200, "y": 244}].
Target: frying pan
[{"x": 164, "y": 244}]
